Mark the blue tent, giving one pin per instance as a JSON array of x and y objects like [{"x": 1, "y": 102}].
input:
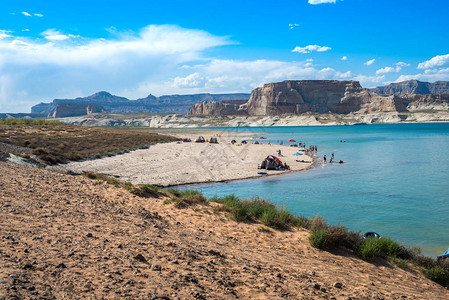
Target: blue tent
[{"x": 445, "y": 255}]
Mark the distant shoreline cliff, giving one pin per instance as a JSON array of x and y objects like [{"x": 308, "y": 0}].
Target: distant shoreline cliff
[
  {"x": 320, "y": 97},
  {"x": 105, "y": 102}
]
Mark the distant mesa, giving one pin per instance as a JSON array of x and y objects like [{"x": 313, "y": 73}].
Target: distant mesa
[
  {"x": 322, "y": 97},
  {"x": 106, "y": 102},
  {"x": 413, "y": 87}
]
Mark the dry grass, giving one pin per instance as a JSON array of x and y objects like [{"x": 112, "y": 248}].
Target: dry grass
[{"x": 62, "y": 143}]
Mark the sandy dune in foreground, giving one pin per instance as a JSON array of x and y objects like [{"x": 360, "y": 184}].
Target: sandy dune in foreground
[
  {"x": 182, "y": 163},
  {"x": 70, "y": 237}
]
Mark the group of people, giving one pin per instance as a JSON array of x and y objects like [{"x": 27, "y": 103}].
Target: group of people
[{"x": 332, "y": 159}]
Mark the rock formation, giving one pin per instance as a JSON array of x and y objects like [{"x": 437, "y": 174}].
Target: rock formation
[
  {"x": 320, "y": 97},
  {"x": 74, "y": 110},
  {"x": 316, "y": 96},
  {"x": 214, "y": 108},
  {"x": 413, "y": 87},
  {"x": 150, "y": 104}
]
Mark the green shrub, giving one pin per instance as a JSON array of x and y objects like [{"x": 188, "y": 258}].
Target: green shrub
[
  {"x": 144, "y": 190},
  {"x": 371, "y": 248},
  {"x": 437, "y": 274},
  {"x": 182, "y": 199},
  {"x": 318, "y": 238}
]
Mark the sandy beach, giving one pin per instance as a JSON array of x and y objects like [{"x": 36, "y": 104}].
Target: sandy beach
[{"x": 179, "y": 163}]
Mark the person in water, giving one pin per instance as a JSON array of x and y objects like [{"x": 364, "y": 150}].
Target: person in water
[{"x": 324, "y": 158}]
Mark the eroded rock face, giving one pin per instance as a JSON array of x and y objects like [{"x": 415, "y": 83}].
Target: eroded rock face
[
  {"x": 413, "y": 87},
  {"x": 317, "y": 96},
  {"x": 214, "y": 108},
  {"x": 320, "y": 97},
  {"x": 73, "y": 110}
]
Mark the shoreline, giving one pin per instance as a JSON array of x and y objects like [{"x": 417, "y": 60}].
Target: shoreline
[{"x": 189, "y": 163}]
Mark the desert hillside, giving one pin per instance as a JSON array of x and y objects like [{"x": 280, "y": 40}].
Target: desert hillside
[{"x": 63, "y": 236}]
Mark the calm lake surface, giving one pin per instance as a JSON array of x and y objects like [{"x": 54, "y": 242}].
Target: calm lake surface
[{"x": 395, "y": 180}]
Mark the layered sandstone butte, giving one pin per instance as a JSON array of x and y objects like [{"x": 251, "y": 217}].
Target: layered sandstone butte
[
  {"x": 214, "y": 108},
  {"x": 320, "y": 97},
  {"x": 75, "y": 110},
  {"x": 317, "y": 96},
  {"x": 413, "y": 87}
]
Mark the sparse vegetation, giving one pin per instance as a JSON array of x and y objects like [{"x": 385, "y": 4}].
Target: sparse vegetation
[
  {"x": 322, "y": 235},
  {"x": 438, "y": 274},
  {"x": 186, "y": 198},
  {"x": 29, "y": 122},
  {"x": 141, "y": 190},
  {"x": 54, "y": 142}
]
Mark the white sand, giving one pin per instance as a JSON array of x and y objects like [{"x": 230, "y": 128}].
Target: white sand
[{"x": 182, "y": 163}]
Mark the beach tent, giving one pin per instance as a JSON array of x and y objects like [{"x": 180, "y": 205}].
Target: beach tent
[
  {"x": 200, "y": 139},
  {"x": 291, "y": 140},
  {"x": 213, "y": 140},
  {"x": 233, "y": 142},
  {"x": 244, "y": 142},
  {"x": 443, "y": 256},
  {"x": 187, "y": 140}
]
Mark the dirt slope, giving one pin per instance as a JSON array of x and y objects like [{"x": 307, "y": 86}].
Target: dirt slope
[{"x": 71, "y": 237}]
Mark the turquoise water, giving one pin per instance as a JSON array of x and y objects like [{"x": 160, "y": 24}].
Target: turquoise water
[{"x": 394, "y": 181}]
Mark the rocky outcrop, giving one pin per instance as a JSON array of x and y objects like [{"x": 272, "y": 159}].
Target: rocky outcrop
[
  {"x": 413, "y": 87},
  {"x": 321, "y": 97},
  {"x": 74, "y": 110},
  {"x": 214, "y": 108},
  {"x": 316, "y": 96},
  {"x": 149, "y": 104},
  {"x": 439, "y": 102}
]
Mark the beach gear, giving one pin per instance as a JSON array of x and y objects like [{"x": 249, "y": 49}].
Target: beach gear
[
  {"x": 262, "y": 172},
  {"x": 445, "y": 255},
  {"x": 371, "y": 234},
  {"x": 291, "y": 140},
  {"x": 297, "y": 154},
  {"x": 200, "y": 139},
  {"x": 213, "y": 140}
]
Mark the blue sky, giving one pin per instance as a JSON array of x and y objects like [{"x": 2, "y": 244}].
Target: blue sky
[{"x": 53, "y": 49}]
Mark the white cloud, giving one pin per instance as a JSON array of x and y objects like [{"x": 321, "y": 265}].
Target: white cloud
[
  {"x": 39, "y": 15},
  {"x": 41, "y": 70},
  {"x": 370, "y": 62},
  {"x": 402, "y": 64},
  {"x": 310, "y": 48},
  {"x": 398, "y": 68},
  {"x": 314, "y": 2},
  {"x": 26, "y": 29},
  {"x": 292, "y": 26},
  {"x": 437, "y": 61},
  {"x": 386, "y": 70},
  {"x": 54, "y": 35},
  {"x": 430, "y": 75},
  {"x": 4, "y": 34},
  {"x": 26, "y": 14},
  {"x": 369, "y": 81},
  {"x": 192, "y": 80},
  {"x": 344, "y": 58}
]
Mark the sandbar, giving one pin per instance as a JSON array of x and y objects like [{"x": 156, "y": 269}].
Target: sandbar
[{"x": 179, "y": 163}]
